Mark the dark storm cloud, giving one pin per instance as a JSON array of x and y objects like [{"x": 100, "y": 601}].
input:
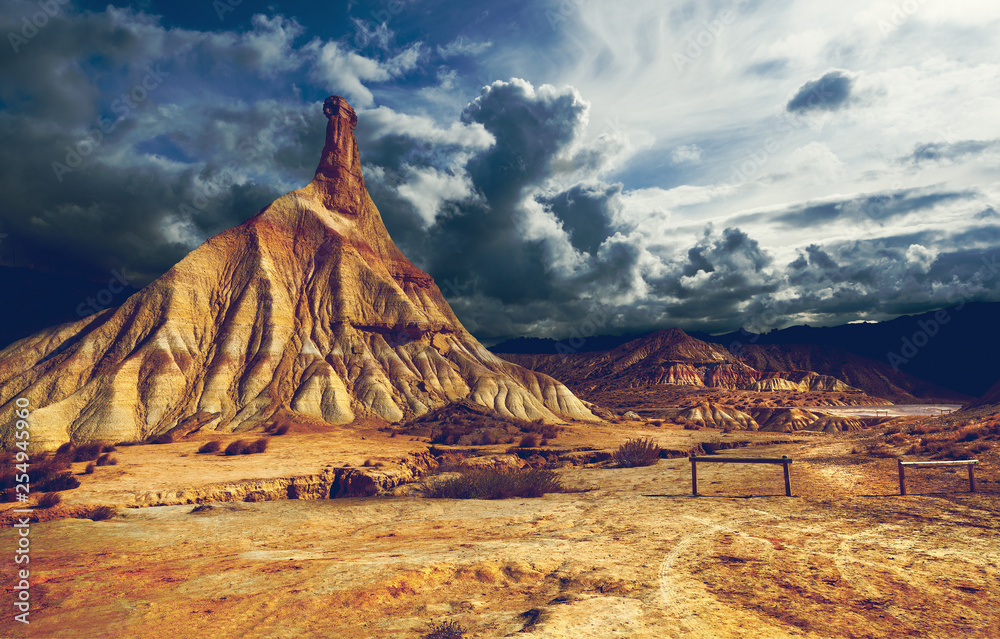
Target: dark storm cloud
[
  {"x": 721, "y": 274},
  {"x": 484, "y": 238},
  {"x": 830, "y": 92},
  {"x": 950, "y": 151},
  {"x": 584, "y": 212},
  {"x": 531, "y": 127},
  {"x": 886, "y": 277},
  {"x": 162, "y": 172}
]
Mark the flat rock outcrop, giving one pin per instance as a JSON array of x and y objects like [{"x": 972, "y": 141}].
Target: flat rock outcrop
[{"x": 308, "y": 307}]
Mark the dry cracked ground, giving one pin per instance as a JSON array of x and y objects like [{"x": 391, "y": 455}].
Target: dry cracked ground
[{"x": 634, "y": 556}]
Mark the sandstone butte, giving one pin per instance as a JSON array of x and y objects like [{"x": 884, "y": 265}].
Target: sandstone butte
[{"x": 306, "y": 307}]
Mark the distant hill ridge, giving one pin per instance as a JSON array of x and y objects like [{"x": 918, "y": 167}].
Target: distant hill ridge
[
  {"x": 955, "y": 348},
  {"x": 672, "y": 356}
]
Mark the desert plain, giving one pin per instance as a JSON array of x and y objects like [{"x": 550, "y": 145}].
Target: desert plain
[{"x": 212, "y": 546}]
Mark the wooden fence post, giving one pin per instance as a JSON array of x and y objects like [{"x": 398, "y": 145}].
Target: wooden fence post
[
  {"x": 902, "y": 477},
  {"x": 694, "y": 477},
  {"x": 788, "y": 482},
  {"x": 972, "y": 478}
]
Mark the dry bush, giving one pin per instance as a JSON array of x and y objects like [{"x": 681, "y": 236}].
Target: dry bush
[
  {"x": 280, "y": 430},
  {"x": 107, "y": 460},
  {"x": 451, "y": 425},
  {"x": 496, "y": 483},
  {"x": 86, "y": 452},
  {"x": 213, "y": 446},
  {"x": 100, "y": 513},
  {"x": 895, "y": 439},
  {"x": 879, "y": 450},
  {"x": 46, "y": 474},
  {"x": 636, "y": 452},
  {"x": 236, "y": 447},
  {"x": 691, "y": 425},
  {"x": 89, "y": 470},
  {"x": 255, "y": 447},
  {"x": 446, "y": 630},
  {"x": 530, "y": 440},
  {"x": 48, "y": 500},
  {"x": 165, "y": 438}
]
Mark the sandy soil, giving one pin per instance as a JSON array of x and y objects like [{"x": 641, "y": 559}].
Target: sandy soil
[{"x": 635, "y": 556}]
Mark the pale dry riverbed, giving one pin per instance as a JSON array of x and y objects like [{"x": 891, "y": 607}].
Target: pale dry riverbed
[
  {"x": 637, "y": 556},
  {"x": 888, "y": 410}
]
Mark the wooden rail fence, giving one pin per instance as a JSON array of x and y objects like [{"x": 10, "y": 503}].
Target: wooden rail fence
[
  {"x": 784, "y": 461},
  {"x": 971, "y": 463}
]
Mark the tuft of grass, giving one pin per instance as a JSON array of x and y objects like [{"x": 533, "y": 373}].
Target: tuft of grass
[
  {"x": 447, "y": 630},
  {"x": 636, "y": 452},
  {"x": 879, "y": 450},
  {"x": 86, "y": 452},
  {"x": 236, "y": 447},
  {"x": 89, "y": 470},
  {"x": 165, "y": 438},
  {"x": 496, "y": 483},
  {"x": 530, "y": 440},
  {"x": 255, "y": 447},
  {"x": 107, "y": 460},
  {"x": 100, "y": 513},
  {"x": 245, "y": 447},
  {"x": 213, "y": 446},
  {"x": 49, "y": 500}
]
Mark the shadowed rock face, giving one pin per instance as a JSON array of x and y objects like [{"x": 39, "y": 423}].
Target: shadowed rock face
[{"x": 307, "y": 306}]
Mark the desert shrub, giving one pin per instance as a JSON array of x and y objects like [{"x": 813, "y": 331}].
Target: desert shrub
[
  {"x": 165, "y": 438},
  {"x": 453, "y": 426},
  {"x": 107, "y": 460},
  {"x": 89, "y": 470},
  {"x": 530, "y": 440},
  {"x": 691, "y": 426},
  {"x": 65, "y": 448},
  {"x": 100, "y": 513},
  {"x": 368, "y": 463},
  {"x": 636, "y": 452},
  {"x": 236, "y": 447},
  {"x": 496, "y": 483},
  {"x": 108, "y": 448},
  {"x": 86, "y": 452},
  {"x": 255, "y": 447},
  {"x": 446, "y": 630},
  {"x": 895, "y": 439},
  {"x": 213, "y": 446},
  {"x": 879, "y": 450},
  {"x": 953, "y": 451},
  {"x": 280, "y": 430},
  {"x": 55, "y": 483},
  {"x": 48, "y": 500}
]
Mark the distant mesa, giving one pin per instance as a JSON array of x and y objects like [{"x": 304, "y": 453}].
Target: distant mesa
[
  {"x": 673, "y": 357},
  {"x": 307, "y": 307}
]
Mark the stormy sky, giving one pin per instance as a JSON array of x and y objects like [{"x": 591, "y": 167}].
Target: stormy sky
[{"x": 557, "y": 166}]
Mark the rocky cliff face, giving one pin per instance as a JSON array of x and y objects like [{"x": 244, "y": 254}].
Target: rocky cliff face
[{"x": 307, "y": 306}]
